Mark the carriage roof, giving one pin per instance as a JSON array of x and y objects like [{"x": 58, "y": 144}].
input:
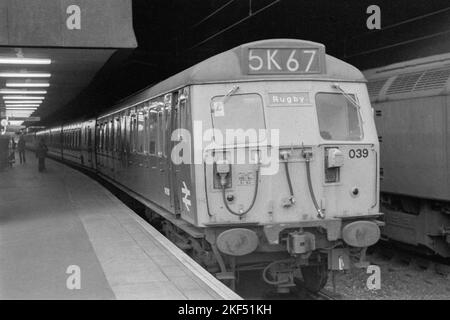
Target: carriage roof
[{"x": 227, "y": 67}]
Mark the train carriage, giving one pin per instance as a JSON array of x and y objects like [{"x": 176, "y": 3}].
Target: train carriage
[
  {"x": 264, "y": 156},
  {"x": 412, "y": 100}
]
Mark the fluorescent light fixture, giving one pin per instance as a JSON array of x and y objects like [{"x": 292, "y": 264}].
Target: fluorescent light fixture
[
  {"x": 23, "y": 98},
  {"x": 24, "y": 75},
  {"x": 23, "y": 112},
  {"x": 22, "y": 105},
  {"x": 27, "y": 85},
  {"x": 15, "y": 123},
  {"x": 22, "y": 101},
  {"x": 21, "y": 109},
  {"x": 12, "y": 91},
  {"x": 24, "y": 61},
  {"x": 19, "y": 115}
]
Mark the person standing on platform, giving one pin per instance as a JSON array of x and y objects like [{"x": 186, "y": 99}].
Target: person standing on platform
[
  {"x": 21, "y": 148},
  {"x": 41, "y": 153},
  {"x": 12, "y": 154}
]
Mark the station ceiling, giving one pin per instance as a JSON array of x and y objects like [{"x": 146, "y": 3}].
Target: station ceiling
[
  {"x": 71, "y": 71},
  {"x": 175, "y": 34}
]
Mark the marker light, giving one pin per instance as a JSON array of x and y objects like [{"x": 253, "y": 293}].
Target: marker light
[
  {"x": 23, "y": 98},
  {"x": 27, "y": 85},
  {"x": 12, "y": 91},
  {"x": 24, "y": 61},
  {"x": 24, "y": 75}
]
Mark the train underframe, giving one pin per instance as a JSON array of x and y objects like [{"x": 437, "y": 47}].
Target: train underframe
[
  {"x": 422, "y": 224},
  {"x": 287, "y": 264}
]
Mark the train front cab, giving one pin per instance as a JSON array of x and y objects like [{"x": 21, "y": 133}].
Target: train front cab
[{"x": 314, "y": 203}]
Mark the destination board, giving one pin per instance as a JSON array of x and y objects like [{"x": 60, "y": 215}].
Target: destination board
[{"x": 285, "y": 60}]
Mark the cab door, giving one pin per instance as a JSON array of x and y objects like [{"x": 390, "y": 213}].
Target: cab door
[
  {"x": 182, "y": 171},
  {"x": 165, "y": 166},
  {"x": 174, "y": 169}
]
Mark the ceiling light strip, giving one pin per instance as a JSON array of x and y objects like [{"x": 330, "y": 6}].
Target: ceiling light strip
[
  {"x": 24, "y": 75},
  {"x": 24, "y": 61},
  {"x": 27, "y": 85}
]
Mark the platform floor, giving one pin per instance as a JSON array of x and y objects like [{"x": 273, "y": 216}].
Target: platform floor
[{"x": 60, "y": 218}]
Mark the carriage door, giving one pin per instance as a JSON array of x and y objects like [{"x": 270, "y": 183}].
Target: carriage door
[
  {"x": 174, "y": 169},
  {"x": 165, "y": 160},
  {"x": 183, "y": 183}
]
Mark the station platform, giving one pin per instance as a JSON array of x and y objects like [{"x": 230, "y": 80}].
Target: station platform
[{"x": 59, "y": 227}]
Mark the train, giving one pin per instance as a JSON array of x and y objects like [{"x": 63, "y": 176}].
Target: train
[
  {"x": 264, "y": 157},
  {"x": 412, "y": 105}
]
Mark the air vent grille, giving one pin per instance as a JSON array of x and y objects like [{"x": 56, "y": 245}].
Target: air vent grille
[
  {"x": 433, "y": 79},
  {"x": 404, "y": 83},
  {"x": 374, "y": 87},
  {"x": 419, "y": 81}
]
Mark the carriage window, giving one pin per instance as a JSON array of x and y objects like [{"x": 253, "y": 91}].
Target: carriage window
[
  {"x": 125, "y": 130},
  {"x": 183, "y": 115},
  {"x": 117, "y": 140},
  {"x": 153, "y": 131},
  {"x": 140, "y": 133},
  {"x": 146, "y": 132},
  {"x": 111, "y": 141},
  {"x": 89, "y": 137},
  {"x": 339, "y": 119},
  {"x": 160, "y": 131},
  {"x": 133, "y": 130},
  {"x": 102, "y": 134},
  {"x": 166, "y": 133},
  {"x": 98, "y": 137},
  {"x": 107, "y": 137},
  {"x": 103, "y": 137},
  {"x": 238, "y": 112}
]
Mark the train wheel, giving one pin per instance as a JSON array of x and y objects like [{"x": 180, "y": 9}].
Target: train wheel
[{"x": 314, "y": 277}]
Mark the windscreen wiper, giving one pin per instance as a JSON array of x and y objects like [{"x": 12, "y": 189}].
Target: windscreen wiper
[
  {"x": 346, "y": 95},
  {"x": 229, "y": 93}
]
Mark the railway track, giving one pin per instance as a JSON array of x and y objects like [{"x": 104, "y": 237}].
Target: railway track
[{"x": 391, "y": 251}]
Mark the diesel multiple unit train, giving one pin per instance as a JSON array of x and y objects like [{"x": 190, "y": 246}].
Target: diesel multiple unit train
[
  {"x": 262, "y": 157},
  {"x": 412, "y": 104}
]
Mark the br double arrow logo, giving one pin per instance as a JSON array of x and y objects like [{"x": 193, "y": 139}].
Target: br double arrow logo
[{"x": 186, "y": 193}]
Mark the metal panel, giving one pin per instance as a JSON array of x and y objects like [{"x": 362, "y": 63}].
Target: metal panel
[
  {"x": 414, "y": 151},
  {"x": 447, "y": 139},
  {"x": 3, "y": 22},
  {"x": 102, "y": 23}
]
